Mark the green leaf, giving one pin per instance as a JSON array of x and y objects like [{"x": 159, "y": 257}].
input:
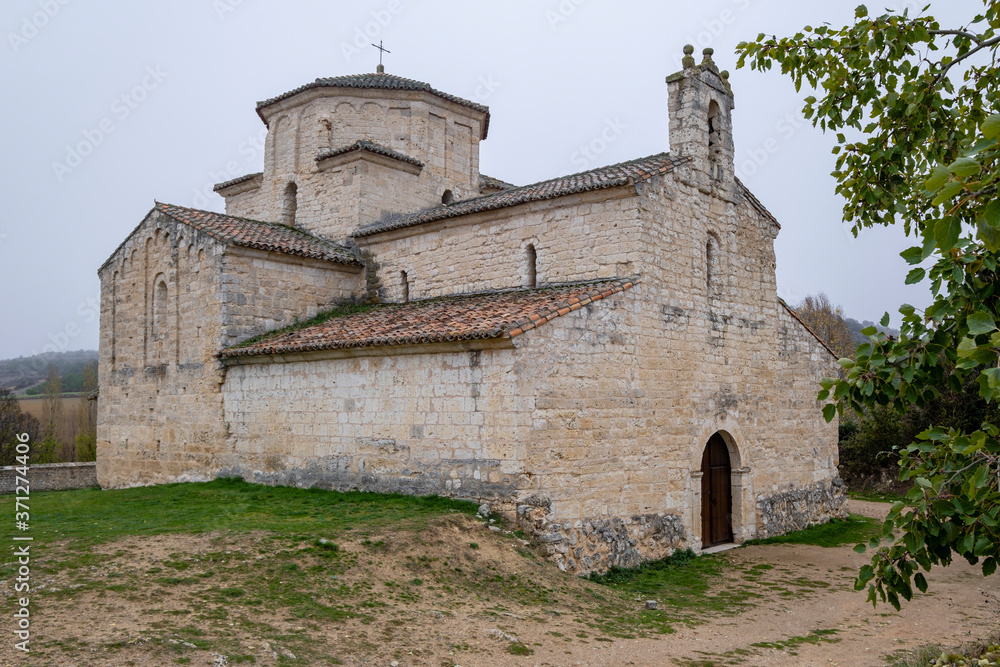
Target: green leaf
[
  {"x": 991, "y": 126},
  {"x": 937, "y": 178},
  {"x": 913, "y": 255},
  {"x": 946, "y": 232},
  {"x": 920, "y": 581},
  {"x": 829, "y": 411},
  {"x": 869, "y": 331},
  {"x": 947, "y": 192},
  {"x": 914, "y": 277},
  {"x": 885, "y": 320},
  {"x": 906, "y": 310},
  {"x": 980, "y": 322},
  {"x": 988, "y": 234},
  {"x": 967, "y": 347},
  {"x": 989, "y": 566},
  {"x": 860, "y": 548},
  {"x": 964, "y": 167}
]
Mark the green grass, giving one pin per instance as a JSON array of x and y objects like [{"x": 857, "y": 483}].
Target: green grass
[
  {"x": 91, "y": 516},
  {"x": 685, "y": 585},
  {"x": 792, "y": 643},
  {"x": 835, "y": 533}
]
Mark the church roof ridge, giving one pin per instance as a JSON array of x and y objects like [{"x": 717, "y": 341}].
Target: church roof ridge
[
  {"x": 622, "y": 173},
  {"x": 458, "y": 317},
  {"x": 491, "y": 182},
  {"x": 233, "y": 181},
  {"x": 247, "y": 233},
  {"x": 371, "y": 147},
  {"x": 791, "y": 311},
  {"x": 380, "y": 81},
  {"x": 756, "y": 202}
]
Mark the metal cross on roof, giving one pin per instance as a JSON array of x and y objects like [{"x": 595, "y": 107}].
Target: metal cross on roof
[{"x": 381, "y": 50}]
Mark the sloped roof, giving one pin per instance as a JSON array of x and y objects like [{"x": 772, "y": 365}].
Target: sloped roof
[
  {"x": 465, "y": 317},
  {"x": 756, "y": 203},
  {"x": 380, "y": 81},
  {"x": 490, "y": 182},
  {"x": 252, "y": 234},
  {"x": 371, "y": 147},
  {"x": 613, "y": 175},
  {"x": 808, "y": 328},
  {"x": 238, "y": 179}
]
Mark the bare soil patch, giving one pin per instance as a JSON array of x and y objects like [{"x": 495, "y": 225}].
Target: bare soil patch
[{"x": 459, "y": 593}]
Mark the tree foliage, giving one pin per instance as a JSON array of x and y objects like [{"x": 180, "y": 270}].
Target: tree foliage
[
  {"x": 13, "y": 422},
  {"x": 828, "y": 321},
  {"x": 920, "y": 103},
  {"x": 86, "y": 416}
]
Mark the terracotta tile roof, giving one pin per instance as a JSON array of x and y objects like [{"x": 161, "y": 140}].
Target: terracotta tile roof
[
  {"x": 380, "y": 81},
  {"x": 502, "y": 314},
  {"x": 605, "y": 177},
  {"x": 490, "y": 182},
  {"x": 238, "y": 179},
  {"x": 251, "y": 234},
  {"x": 371, "y": 147}
]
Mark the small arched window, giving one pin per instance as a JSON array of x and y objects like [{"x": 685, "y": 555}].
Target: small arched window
[
  {"x": 712, "y": 264},
  {"x": 159, "y": 306},
  {"x": 448, "y": 197},
  {"x": 404, "y": 284},
  {"x": 531, "y": 266},
  {"x": 289, "y": 204},
  {"x": 159, "y": 328},
  {"x": 714, "y": 137}
]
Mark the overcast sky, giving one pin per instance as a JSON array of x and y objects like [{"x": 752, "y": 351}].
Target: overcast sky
[{"x": 109, "y": 105}]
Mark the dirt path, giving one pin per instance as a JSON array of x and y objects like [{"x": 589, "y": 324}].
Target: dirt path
[
  {"x": 960, "y": 605},
  {"x": 189, "y": 599}
]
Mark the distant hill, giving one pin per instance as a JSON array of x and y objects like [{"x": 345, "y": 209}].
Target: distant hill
[
  {"x": 24, "y": 372},
  {"x": 855, "y": 327}
]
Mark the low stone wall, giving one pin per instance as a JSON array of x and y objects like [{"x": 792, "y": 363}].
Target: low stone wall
[
  {"x": 800, "y": 508},
  {"x": 51, "y": 477},
  {"x": 594, "y": 545}
]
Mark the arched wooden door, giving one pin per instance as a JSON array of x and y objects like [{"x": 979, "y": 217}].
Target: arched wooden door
[{"x": 716, "y": 494}]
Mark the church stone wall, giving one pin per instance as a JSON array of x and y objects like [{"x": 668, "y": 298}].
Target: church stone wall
[
  {"x": 552, "y": 429},
  {"x": 722, "y": 354},
  {"x": 159, "y": 411},
  {"x": 171, "y": 298},
  {"x": 438, "y": 420},
  {"x": 581, "y": 237},
  {"x": 261, "y": 291},
  {"x": 444, "y": 137}
]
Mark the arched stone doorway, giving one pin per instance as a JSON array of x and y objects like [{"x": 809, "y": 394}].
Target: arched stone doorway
[{"x": 716, "y": 493}]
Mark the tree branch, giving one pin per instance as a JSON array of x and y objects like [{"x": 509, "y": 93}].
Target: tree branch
[
  {"x": 959, "y": 33},
  {"x": 982, "y": 45}
]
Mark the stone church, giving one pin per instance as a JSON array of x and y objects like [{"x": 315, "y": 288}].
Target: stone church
[{"x": 601, "y": 357}]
